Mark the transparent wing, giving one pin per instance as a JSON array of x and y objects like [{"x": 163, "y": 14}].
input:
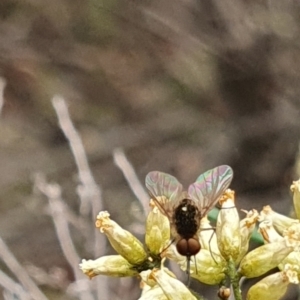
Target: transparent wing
[
  {"x": 160, "y": 184},
  {"x": 209, "y": 186}
]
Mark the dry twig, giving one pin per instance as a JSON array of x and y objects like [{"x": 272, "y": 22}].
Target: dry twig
[
  {"x": 88, "y": 191},
  {"x": 57, "y": 210},
  {"x": 122, "y": 162},
  {"x": 21, "y": 275}
]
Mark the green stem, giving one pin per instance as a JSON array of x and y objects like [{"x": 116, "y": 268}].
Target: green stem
[{"x": 234, "y": 279}]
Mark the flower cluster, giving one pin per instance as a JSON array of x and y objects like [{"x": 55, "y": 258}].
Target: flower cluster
[{"x": 224, "y": 252}]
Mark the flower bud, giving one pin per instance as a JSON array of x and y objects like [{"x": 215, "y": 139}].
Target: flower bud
[
  {"x": 121, "y": 240},
  {"x": 247, "y": 226},
  {"x": 157, "y": 231},
  {"x": 293, "y": 232},
  {"x": 172, "y": 288},
  {"x": 153, "y": 293},
  {"x": 280, "y": 222},
  {"x": 268, "y": 232},
  {"x": 293, "y": 259},
  {"x": 295, "y": 188},
  {"x": 147, "y": 280},
  {"x": 209, "y": 268},
  {"x": 110, "y": 265},
  {"x": 275, "y": 285},
  {"x": 228, "y": 227},
  {"x": 266, "y": 257}
]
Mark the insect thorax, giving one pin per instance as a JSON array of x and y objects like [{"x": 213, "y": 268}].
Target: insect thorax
[{"x": 186, "y": 218}]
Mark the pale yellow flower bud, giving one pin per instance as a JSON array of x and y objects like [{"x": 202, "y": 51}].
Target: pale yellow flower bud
[
  {"x": 154, "y": 293},
  {"x": 228, "y": 227},
  {"x": 293, "y": 232},
  {"x": 291, "y": 273},
  {"x": 147, "y": 280},
  {"x": 157, "y": 231},
  {"x": 295, "y": 188},
  {"x": 293, "y": 259},
  {"x": 274, "y": 285},
  {"x": 111, "y": 265},
  {"x": 265, "y": 258},
  {"x": 268, "y": 232},
  {"x": 121, "y": 240},
  {"x": 172, "y": 288},
  {"x": 206, "y": 269},
  {"x": 247, "y": 226},
  {"x": 280, "y": 222}
]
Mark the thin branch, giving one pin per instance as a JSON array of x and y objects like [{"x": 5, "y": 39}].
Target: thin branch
[
  {"x": 89, "y": 189},
  {"x": 57, "y": 209},
  {"x": 13, "y": 288},
  {"x": 128, "y": 171},
  {"x": 56, "y": 278},
  {"x": 20, "y": 274},
  {"x": 89, "y": 192},
  {"x": 8, "y": 295}
]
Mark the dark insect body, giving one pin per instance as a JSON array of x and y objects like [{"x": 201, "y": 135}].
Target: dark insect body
[
  {"x": 187, "y": 221},
  {"x": 185, "y": 209}
]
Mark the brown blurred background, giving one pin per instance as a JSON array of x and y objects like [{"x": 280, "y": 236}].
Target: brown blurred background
[{"x": 181, "y": 86}]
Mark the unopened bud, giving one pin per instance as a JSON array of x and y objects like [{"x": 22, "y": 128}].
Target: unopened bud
[
  {"x": 209, "y": 269},
  {"x": 275, "y": 285},
  {"x": 279, "y": 221},
  {"x": 247, "y": 226},
  {"x": 268, "y": 232},
  {"x": 121, "y": 240},
  {"x": 150, "y": 293},
  {"x": 266, "y": 257},
  {"x": 110, "y": 265},
  {"x": 228, "y": 227},
  {"x": 295, "y": 188},
  {"x": 293, "y": 232},
  {"x": 172, "y": 288},
  {"x": 157, "y": 231},
  {"x": 293, "y": 259}
]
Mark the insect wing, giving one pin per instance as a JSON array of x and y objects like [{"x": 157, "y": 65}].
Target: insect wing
[
  {"x": 161, "y": 184},
  {"x": 209, "y": 186}
]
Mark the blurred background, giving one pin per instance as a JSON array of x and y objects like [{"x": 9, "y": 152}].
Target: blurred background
[{"x": 181, "y": 86}]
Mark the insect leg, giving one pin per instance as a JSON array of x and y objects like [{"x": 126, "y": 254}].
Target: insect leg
[
  {"x": 188, "y": 266},
  {"x": 172, "y": 241},
  {"x": 209, "y": 242},
  {"x": 195, "y": 264}
]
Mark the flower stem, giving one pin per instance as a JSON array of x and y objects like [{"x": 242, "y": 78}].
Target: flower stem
[{"x": 234, "y": 279}]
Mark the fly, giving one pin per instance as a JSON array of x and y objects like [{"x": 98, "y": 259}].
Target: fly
[{"x": 186, "y": 209}]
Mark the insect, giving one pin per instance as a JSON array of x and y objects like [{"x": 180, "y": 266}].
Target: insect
[{"x": 185, "y": 209}]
